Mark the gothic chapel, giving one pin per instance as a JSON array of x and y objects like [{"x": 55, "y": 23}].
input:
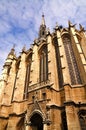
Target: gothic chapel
[{"x": 45, "y": 87}]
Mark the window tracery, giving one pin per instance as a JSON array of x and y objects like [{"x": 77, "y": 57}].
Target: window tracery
[
  {"x": 71, "y": 60},
  {"x": 43, "y": 64}
]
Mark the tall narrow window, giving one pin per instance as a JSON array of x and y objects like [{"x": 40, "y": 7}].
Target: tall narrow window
[
  {"x": 58, "y": 60},
  {"x": 71, "y": 60},
  {"x": 17, "y": 68},
  {"x": 27, "y": 79},
  {"x": 43, "y": 64}
]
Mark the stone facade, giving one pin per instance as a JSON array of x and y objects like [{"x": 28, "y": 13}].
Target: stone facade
[{"x": 45, "y": 87}]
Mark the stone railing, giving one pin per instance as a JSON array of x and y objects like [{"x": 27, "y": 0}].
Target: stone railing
[{"x": 39, "y": 85}]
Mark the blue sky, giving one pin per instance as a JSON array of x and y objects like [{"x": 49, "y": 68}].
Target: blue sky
[{"x": 20, "y": 20}]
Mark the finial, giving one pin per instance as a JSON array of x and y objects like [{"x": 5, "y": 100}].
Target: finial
[
  {"x": 56, "y": 27},
  {"x": 36, "y": 41},
  {"x": 42, "y": 14},
  {"x": 47, "y": 31},
  {"x": 56, "y": 24},
  {"x": 70, "y": 24},
  {"x": 14, "y": 46},
  {"x": 24, "y": 48},
  {"x": 12, "y": 51},
  {"x": 43, "y": 20}
]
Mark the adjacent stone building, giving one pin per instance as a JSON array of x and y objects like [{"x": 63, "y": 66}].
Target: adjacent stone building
[{"x": 45, "y": 87}]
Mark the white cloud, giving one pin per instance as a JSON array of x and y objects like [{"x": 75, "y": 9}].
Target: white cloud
[{"x": 20, "y": 20}]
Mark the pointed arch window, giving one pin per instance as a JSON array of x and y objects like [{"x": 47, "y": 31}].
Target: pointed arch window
[
  {"x": 16, "y": 74},
  {"x": 27, "y": 78},
  {"x": 71, "y": 60},
  {"x": 43, "y": 64}
]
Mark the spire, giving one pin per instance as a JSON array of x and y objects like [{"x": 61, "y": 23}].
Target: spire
[
  {"x": 24, "y": 48},
  {"x": 12, "y": 50},
  {"x": 42, "y": 29},
  {"x": 10, "y": 56},
  {"x": 43, "y": 20}
]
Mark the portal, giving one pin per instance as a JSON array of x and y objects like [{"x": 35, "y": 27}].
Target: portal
[{"x": 36, "y": 122}]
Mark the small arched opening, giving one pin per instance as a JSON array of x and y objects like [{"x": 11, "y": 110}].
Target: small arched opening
[{"x": 36, "y": 122}]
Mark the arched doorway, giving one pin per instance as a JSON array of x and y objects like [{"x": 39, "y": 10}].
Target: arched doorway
[{"x": 36, "y": 122}]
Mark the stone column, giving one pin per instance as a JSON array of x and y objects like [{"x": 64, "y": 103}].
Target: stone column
[
  {"x": 27, "y": 127},
  {"x": 3, "y": 80},
  {"x": 11, "y": 128},
  {"x": 45, "y": 127},
  {"x": 55, "y": 119},
  {"x": 72, "y": 118},
  {"x": 10, "y": 84},
  {"x": 3, "y": 123},
  {"x": 52, "y": 65},
  {"x": 83, "y": 39},
  {"x": 20, "y": 81},
  {"x": 34, "y": 74}
]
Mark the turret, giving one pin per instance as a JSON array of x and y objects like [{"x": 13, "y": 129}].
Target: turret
[
  {"x": 6, "y": 71},
  {"x": 10, "y": 56}
]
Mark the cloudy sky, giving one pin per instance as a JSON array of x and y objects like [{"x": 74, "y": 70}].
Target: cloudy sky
[{"x": 20, "y": 20}]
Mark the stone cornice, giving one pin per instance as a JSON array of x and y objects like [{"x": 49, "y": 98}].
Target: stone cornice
[
  {"x": 14, "y": 114},
  {"x": 54, "y": 106},
  {"x": 74, "y": 86},
  {"x": 18, "y": 115},
  {"x": 14, "y": 101},
  {"x": 3, "y": 117},
  {"x": 5, "y": 105},
  {"x": 66, "y": 103},
  {"x": 71, "y": 86},
  {"x": 79, "y": 104}
]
